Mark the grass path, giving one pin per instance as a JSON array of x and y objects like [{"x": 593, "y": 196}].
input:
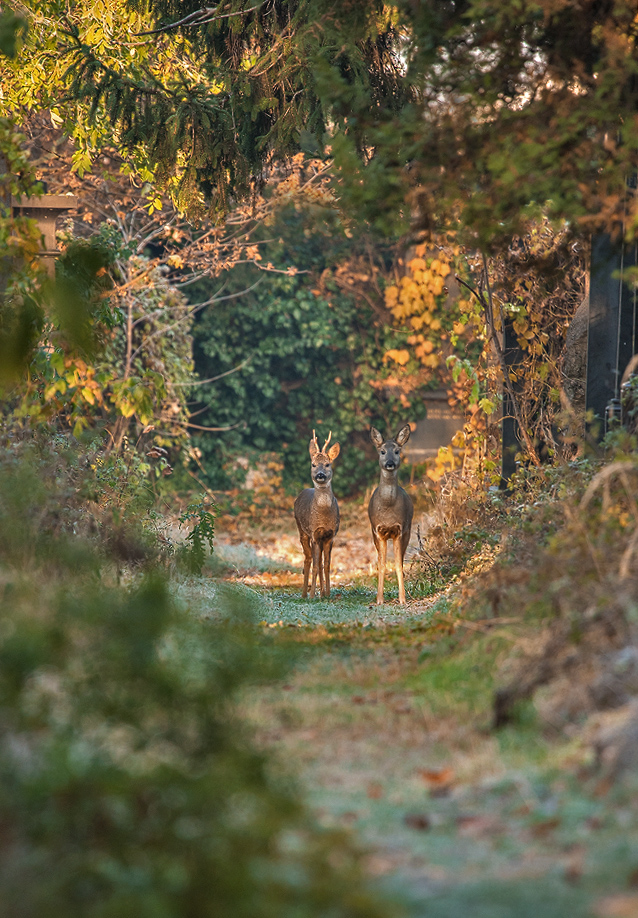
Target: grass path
[{"x": 385, "y": 719}]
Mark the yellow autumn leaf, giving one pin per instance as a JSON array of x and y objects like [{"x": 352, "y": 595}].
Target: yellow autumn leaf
[
  {"x": 417, "y": 264},
  {"x": 401, "y": 357},
  {"x": 391, "y": 296},
  {"x": 126, "y": 409}
]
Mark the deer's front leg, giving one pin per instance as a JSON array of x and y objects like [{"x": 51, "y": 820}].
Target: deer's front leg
[
  {"x": 316, "y": 558},
  {"x": 322, "y": 554},
  {"x": 381, "y": 549},
  {"x": 398, "y": 563},
  {"x": 307, "y": 561},
  {"x": 327, "y": 555}
]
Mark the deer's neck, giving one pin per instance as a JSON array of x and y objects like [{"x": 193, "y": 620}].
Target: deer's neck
[
  {"x": 388, "y": 486},
  {"x": 323, "y": 496}
]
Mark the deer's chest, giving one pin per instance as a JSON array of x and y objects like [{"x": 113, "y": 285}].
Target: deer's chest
[
  {"x": 324, "y": 514},
  {"x": 388, "y": 511}
]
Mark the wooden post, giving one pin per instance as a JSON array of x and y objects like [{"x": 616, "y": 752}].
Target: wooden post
[
  {"x": 611, "y": 340},
  {"x": 511, "y": 434},
  {"x": 46, "y": 210}
]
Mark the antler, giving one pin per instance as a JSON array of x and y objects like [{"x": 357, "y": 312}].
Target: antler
[
  {"x": 314, "y": 439},
  {"x": 326, "y": 443}
]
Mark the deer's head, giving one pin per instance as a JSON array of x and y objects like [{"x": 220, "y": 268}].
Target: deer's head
[
  {"x": 390, "y": 450},
  {"x": 321, "y": 460}
]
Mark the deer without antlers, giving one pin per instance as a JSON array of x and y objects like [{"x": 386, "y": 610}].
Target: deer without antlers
[
  {"x": 317, "y": 517},
  {"x": 390, "y": 508}
]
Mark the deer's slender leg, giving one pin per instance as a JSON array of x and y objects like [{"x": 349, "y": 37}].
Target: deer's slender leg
[
  {"x": 398, "y": 563},
  {"x": 322, "y": 554},
  {"x": 382, "y": 548},
  {"x": 327, "y": 554},
  {"x": 315, "y": 567},
  {"x": 307, "y": 561}
]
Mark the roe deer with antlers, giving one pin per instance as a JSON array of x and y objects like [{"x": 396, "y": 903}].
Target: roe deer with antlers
[
  {"x": 317, "y": 517},
  {"x": 390, "y": 508}
]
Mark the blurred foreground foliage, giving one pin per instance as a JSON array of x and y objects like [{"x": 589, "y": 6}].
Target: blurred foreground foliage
[{"x": 128, "y": 783}]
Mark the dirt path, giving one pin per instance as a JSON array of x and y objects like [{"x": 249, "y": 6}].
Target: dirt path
[
  {"x": 386, "y": 723},
  {"x": 270, "y": 555}
]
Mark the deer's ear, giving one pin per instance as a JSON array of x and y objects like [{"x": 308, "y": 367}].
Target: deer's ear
[
  {"x": 403, "y": 435},
  {"x": 313, "y": 449},
  {"x": 376, "y": 437},
  {"x": 334, "y": 451}
]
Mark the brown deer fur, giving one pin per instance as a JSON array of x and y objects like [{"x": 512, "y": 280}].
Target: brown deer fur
[
  {"x": 390, "y": 508},
  {"x": 317, "y": 518}
]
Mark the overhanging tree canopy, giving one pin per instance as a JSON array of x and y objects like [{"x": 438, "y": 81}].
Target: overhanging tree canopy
[{"x": 473, "y": 111}]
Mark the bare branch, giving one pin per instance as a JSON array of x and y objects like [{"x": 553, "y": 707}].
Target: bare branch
[
  {"x": 199, "y": 17},
  {"x": 202, "y": 382},
  {"x": 230, "y": 427}
]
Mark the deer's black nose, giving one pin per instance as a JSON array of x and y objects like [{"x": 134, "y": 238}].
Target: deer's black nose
[{"x": 320, "y": 476}]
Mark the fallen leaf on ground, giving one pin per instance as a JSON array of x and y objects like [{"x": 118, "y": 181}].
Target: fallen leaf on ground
[
  {"x": 436, "y": 776},
  {"x": 374, "y": 790},
  {"x": 420, "y": 821},
  {"x": 542, "y": 828}
]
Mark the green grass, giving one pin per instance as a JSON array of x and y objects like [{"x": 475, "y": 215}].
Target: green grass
[
  {"x": 546, "y": 897},
  {"x": 500, "y": 841},
  {"x": 244, "y": 557}
]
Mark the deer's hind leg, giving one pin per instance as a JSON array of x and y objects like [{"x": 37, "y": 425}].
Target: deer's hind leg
[{"x": 307, "y": 561}]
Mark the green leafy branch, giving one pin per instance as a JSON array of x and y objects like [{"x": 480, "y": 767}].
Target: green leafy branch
[{"x": 201, "y": 535}]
